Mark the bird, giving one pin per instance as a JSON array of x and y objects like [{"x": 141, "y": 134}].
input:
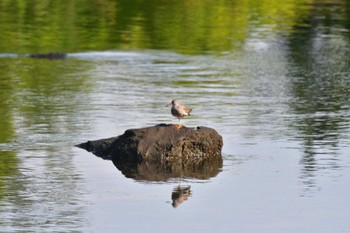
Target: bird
[{"x": 179, "y": 110}]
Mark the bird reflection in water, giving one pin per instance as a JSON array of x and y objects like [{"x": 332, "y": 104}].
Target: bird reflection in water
[{"x": 180, "y": 194}]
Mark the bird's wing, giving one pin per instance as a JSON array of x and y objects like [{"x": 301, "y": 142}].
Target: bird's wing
[{"x": 187, "y": 109}]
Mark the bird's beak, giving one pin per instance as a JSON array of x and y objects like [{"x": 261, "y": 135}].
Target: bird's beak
[{"x": 167, "y": 105}]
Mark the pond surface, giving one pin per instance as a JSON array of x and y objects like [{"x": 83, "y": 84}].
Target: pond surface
[{"x": 272, "y": 78}]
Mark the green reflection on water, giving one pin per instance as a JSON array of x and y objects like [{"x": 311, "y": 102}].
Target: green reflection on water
[
  {"x": 8, "y": 169},
  {"x": 6, "y": 94},
  {"x": 190, "y": 27},
  {"x": 320, "y": 80},
  {"x": 8, "y": 159},
  {"x": 41, "y": 93},
  {"x": 40, "y": 103},
  {"x": 38, "y": 98}
]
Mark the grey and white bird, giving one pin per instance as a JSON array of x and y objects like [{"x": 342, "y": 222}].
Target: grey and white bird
[{"x": 179, "y": 110}]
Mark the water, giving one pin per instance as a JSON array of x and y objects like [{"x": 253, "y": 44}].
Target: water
[{"x": 278, "y": 92}]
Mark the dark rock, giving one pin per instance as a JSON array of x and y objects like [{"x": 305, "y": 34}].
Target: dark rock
[
  {"x": 161, "y": 152},
  {"x": 48, "y": 55},
  {"x": 100, "y": 148},
  {"x": 166, "y": 143}
]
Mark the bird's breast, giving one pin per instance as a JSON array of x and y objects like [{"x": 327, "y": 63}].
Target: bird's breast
[{"x": 175, "y": 112}]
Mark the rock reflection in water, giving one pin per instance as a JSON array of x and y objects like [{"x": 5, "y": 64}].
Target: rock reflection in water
[{"x": 161, "y": 172}]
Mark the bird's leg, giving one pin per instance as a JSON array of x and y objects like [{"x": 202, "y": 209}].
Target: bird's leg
[{"x": 179, "y": 126}]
